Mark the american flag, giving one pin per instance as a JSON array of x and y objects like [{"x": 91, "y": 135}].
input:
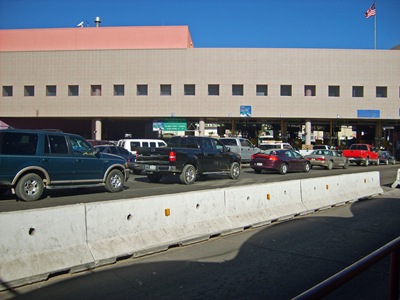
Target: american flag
[{"x": 371, "y": 11}]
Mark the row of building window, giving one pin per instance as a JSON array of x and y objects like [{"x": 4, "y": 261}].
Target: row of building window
[{"x": 190, "y": 90}]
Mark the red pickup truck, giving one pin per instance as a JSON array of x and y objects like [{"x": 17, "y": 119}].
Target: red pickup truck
[{"x": 361, "y": 154}]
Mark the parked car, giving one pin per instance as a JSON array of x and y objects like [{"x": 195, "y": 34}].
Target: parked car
[
  {"x": 188, "y": 156},
  {"x": 241, "y": 146},
  {"x": 116, "y": 150},
  {"x": 386, "y": 158},
  {"x": 132, "y": 144},
  {"x": 34, "y": 160},
  {"x": 282, "y": 160},
  {"x": 362, "y": 154},
  {"x": 328, "y": 159}
]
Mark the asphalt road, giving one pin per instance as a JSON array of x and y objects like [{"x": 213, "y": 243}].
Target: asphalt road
[
  {"x": 278, "y": 261},
  {"x": 139, "y": 186}
]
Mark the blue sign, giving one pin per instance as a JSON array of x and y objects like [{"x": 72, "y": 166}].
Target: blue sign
[
  {"x": 368, "y": 113},
  {"x": 245, "y": 111}
]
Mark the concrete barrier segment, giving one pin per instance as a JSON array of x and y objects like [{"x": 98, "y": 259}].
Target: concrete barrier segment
[
  {"x": 396, "y": 183},
  {"x": 255, "y": 205},
  {"x": 325, "y": 192},
  {"x": 36, "y": 243},
  {"x": 134, "y": 227}
]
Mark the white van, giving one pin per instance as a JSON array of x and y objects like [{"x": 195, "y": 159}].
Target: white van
[{"x": 132, "y": 144}]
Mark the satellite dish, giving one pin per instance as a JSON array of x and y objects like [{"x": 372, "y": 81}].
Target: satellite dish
[{"x": 80, "y": 24}]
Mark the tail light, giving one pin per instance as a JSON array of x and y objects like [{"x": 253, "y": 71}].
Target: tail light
[
  {"x": 172, "y": 156},
  {"x": 320, "y": 158},
  {"x": 272, "y": 157}
]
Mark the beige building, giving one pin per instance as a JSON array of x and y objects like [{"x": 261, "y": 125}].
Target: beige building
[{"x": 111, "y": 90}]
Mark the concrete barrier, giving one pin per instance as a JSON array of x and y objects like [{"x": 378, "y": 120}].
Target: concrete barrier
[
  {"x": 136, "y": 227},
  {"x": 325, "y": 192},
  {"x": 261, "y": 204},
  {"x": 40, "y": 242},
  {"x": 397, "y": 181},
  {"x": 37, "y": 243}
]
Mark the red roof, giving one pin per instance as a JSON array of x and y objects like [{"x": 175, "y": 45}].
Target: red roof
[{"x": 94, "y": 38}]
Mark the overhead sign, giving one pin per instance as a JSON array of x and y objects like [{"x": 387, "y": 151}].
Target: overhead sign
[
  {"x": 175, "y": 124},
  {"x": 245, "y": 111},
  {"x": 368, "y": 113}
]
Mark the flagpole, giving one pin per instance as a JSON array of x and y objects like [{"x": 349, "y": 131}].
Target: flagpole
[{"x": 375, "y": 27}]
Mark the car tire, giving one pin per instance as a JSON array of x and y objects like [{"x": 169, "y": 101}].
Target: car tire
[
  {"x": 30, "y": 187},
  {"x": 188, "y": 175},
  {"x": 386, "y": 162},
  {"x": 234, "y": 171},
  {"x": 306, "y": 168},
  {"x": 283, "y": 169},
  {"x": 366, "y": 163},
  {"x": 330, "y": 165},
  {"x": 154, "y": 178},
  {"x": 257, "y": 171},
  {"x": 114, "y": 181}
]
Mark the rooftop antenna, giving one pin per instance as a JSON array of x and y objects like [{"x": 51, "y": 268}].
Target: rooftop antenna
[{"x": 97, "y": 21}]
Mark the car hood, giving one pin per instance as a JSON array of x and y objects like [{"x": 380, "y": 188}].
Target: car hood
[{"x": 118, "y": 159}]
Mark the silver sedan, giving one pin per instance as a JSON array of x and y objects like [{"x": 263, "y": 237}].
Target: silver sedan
[{"x": 328, "y": 159}]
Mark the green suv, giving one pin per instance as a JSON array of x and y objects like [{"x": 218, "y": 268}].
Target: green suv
[{"x": 32, "y": 160}]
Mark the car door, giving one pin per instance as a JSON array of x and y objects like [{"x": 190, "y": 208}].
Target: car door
[
  {"x": 56, "y": 158},
  {"x": 248, "y": 149},
  {"x": 222, "y": 158},
  {"x": 87, "y": 166},
  {"x": 296, "y": 160}
]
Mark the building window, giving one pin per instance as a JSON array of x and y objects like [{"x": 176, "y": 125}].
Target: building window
[
  {"x": 73, "y": 90},
  {"x": 213, "y": 90},
  {"x": 119, "y": 90},
  {"x": 189, "y": 90},
  {"x": 95, "y": 90},
  {"x": 165, "y": 90},
  {"x": 237, "y": 89},
  {"x": 51, "y": 90},
  {"x": 358, "y": 91},
  {"x": 309, "y": 90},
  {"x": 286, "y": 90},
  {"x": 381, "y": 92},
  {"x": 29, "y": 90},
  {"x": 7, "y": 91},
  {"x": 262, "y": 90},
  {"x": 141, "y": 90},
  {"x": 334, "y": 91}
]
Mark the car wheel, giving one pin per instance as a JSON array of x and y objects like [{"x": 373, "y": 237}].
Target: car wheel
[
  {"x": 330, "y": 165},
  {"x": 115, "y": 181},
  {"x": 386, "y": 162},
  {"x": 257, "y": 171},
  {"x": 366, "y": 163},
  {"x": 306, "y": 168},
  {"x": 234, "y": 171},
  {"x": 283, "y": 169},
  {"x": 154, "y": 178},
  {"x": 188, "y": 175},
  {"x": 30, "y": 187}
]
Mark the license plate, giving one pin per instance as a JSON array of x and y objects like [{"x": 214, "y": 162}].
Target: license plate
[{"x": 259, "y": 164}]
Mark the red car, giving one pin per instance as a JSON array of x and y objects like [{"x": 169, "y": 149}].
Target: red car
[{"x": 282, "y": 160}]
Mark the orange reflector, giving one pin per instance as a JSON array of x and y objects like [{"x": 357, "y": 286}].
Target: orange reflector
[
  {"x": 167, "y": 212},
  {"x": 268, "y": 197},
  {"x": 327, "y": 186}
]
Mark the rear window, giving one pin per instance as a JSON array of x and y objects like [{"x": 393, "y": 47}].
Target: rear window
[
  {"x": 15, "y": 143},
  {"x": 229, "y": 142}
]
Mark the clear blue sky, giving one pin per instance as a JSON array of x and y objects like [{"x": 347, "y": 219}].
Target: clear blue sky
[{"x": 226, "y": 23}]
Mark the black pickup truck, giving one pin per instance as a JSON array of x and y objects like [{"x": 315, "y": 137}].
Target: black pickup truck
[{"x": 188, "y": 156}]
